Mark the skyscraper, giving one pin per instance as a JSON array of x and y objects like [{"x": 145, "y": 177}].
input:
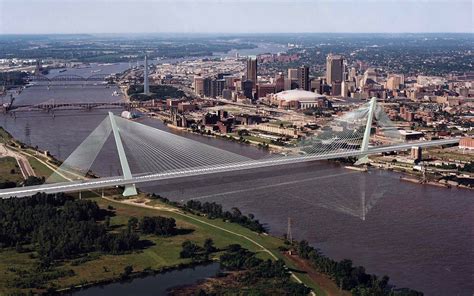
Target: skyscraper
[
  {"x": 247, "y": 87},
  {"x": 199, "y": 85},
  {"x": 146, "y": 88},
  {"x": 252, "y": 70},
  {"x": 303, "y": 77},
  {"x": 334, "y": 68}
]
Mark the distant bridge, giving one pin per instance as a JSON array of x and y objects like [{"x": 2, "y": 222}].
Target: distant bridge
[
  {"x": 51, "y": 106},
  {"x": 69, "y": 77}
]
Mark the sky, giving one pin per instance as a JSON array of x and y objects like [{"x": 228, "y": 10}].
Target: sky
[{"x": 234, "y": 16}]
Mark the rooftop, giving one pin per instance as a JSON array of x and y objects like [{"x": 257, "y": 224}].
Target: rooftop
[{"x": 298, "y": 95}]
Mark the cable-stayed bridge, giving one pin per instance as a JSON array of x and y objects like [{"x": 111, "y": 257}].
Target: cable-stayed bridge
[{"x": 154, "y": 155}]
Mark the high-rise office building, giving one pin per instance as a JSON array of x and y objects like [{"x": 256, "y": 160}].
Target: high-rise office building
[
  {"x": 334, "y": 68},
  {"x": 199, "y": 85},
  {"x": 252, "y": 70},
  {"x": 303, "y": 77},
  {"x": 207, "y": 87},
  {"x": 247, "y": 87}
]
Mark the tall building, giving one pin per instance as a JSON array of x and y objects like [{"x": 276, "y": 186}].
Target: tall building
[
  {"x": 279, "y": 82},
  {"x": 293, "y": 74},
  {"x": 247, "y": 87},
  {"x": 334, "y": 68},
  {"x": 336, "y": 88},
  {"x": 207, "y": 87},
  {"x": 252, "y": 70},
  {"x": 264, "y": 89},
  {"x": 394, "y": 81},
  {"x": 199, "y": 85},
  {"x": 303, "y": 77},
  {"x": 146, "y": 87}
]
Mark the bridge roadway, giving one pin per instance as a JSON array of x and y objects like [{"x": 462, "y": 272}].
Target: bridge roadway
[
  {"x": 64, "y": 106},
  {"x": 83, "y": 185}
]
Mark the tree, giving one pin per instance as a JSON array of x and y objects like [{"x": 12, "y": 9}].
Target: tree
[
  {"x": 190, "y": 250},
  {"x": 209, "y": 246},
  {"x": 107, "y": 222},
  {"x": 127, "y": 271},
  {"x": 132, "y": 223}
]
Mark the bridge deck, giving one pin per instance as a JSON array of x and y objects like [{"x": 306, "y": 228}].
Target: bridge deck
[{"x": 89, "y": 184}]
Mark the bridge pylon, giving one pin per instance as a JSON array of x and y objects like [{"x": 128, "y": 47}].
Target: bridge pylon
[
  {"x": 130, "y": 190},
  {"x": 364, "y": 159}
]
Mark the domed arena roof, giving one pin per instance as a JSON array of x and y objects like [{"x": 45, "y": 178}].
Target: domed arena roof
[{"x": 298, "y": 95}]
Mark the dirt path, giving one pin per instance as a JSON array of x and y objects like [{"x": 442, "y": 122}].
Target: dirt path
[{"x": 321, "y": 280}]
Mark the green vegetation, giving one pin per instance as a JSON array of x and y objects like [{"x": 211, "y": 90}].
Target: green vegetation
[
  {"x": 158, "y": 92},
  {"x": 351, "y": 278},
  {"x": 257, "y": 139},
  {"x": 250, "y": 275},
  {"x": 214, "y": 210},
  {"x": 9, "y": 170},
  {"x": 5, "y": 137},
  {"x": 54, "y": 256},
  {"x": 41, "y": 170}
]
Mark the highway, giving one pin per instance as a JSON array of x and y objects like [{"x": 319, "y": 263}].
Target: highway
[{"x": 84, "y": 185}]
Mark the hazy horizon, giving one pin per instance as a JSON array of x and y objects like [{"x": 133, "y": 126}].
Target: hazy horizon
[{"x": 234, "y": 17}]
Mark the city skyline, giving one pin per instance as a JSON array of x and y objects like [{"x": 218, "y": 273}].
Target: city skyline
[{"x": 212, "y": 16}]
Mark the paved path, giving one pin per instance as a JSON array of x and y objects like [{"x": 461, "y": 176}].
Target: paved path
[{"x": 176, "y": 211}]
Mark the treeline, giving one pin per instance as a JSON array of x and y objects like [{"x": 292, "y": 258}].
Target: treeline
[
  {"x": 253, "y": 276},
  {"x": 30, "y": 181},
  {"x": 156, "y": 92},
  {"x": 214, "y": 210},
  {"x": 58, "y": 227},
  {"x": 349, "y": 277}
]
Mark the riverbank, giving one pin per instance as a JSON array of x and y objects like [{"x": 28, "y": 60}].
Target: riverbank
[{"x": 160, "y": 254}]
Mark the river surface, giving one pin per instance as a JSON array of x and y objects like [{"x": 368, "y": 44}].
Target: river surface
[{"x": 420, "y": 236}]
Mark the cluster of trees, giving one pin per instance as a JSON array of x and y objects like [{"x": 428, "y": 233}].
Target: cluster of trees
[
  {"x": 156, "y": 92},
  {"x": 260, "y": 276},
  {"x": 197, "y": 253},
  {"x": 30, "y": 181},
  {"x": 469, "y": 167},
  {"x": 158, "y": 225},
  {"x": 59, "y": 227},
  {"x": 349, "y": 277},
  {"x": 214, "y": 210},
  {"x": 7, "y": 184}
]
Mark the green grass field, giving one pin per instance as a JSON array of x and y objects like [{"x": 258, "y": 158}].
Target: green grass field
[
  {"x": 40, "y": 169},
  {"x": 9, "y": 170},
  {"x": 257, "y": 139}
]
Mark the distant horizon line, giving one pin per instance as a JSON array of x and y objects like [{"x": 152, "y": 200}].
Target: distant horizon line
[{"x": 228, "y": 33}]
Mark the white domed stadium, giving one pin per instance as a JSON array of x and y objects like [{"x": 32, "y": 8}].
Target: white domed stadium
[{"x": 298, "y": 99}]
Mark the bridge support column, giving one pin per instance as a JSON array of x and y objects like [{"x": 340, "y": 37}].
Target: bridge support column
[
  {"x": 365, "y": 142},
  {"x": 130, "y": 190}
]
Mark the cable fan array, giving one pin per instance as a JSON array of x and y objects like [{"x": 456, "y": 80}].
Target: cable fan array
[{"x": 150, "y": 150}]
